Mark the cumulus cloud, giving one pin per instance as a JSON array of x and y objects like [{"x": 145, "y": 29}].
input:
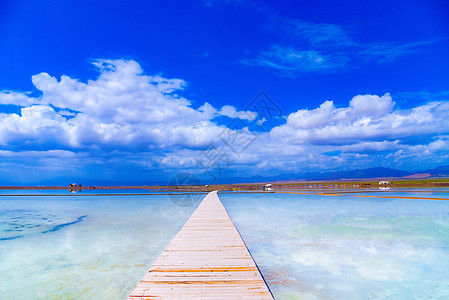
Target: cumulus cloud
[
  {"x": 368, "y": 118},
  {"x": 38, "y": 126},
  {"x": 16, "y": 98},
  {"x": 231, "y": 112},
  {"x": 122, "y": 108},
  {"x": 126, "y": 117}
]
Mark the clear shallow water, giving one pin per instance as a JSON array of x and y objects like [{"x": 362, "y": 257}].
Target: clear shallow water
[
  {"x": 327, "y": 247},
  {"x": 307, "y": 246},
  {"x": 443, "y": 194},
  {"x": 95, "y": 247}
]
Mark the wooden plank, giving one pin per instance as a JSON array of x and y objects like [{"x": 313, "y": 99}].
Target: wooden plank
[{"x": 207, "y": 259}]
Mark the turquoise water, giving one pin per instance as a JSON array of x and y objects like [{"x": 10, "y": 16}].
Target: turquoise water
[
  {"x": 307, "y": 246},
  {"x": 327, "y": 247},
  {"x": 94, "y": 247}
]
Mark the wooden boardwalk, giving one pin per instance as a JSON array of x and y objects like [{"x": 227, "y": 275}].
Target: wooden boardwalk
[{"x": 207, "y": 259}]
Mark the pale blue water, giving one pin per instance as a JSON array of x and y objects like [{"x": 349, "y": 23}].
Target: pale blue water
[
  {"x": 307, "y": 246},
  {"x": 94, "y": 247},
  {"x": 328, "y": 247}
]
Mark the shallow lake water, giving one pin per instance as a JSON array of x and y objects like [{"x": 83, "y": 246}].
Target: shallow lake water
[
  {"x": 89, "y": 247},
  {"x": 344, "y": 247},
  {"x": 307, "y": 246}
]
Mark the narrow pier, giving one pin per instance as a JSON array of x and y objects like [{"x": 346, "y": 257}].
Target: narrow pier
[{"x": 207, "y": 259}]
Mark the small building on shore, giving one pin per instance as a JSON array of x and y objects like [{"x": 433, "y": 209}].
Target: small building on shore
[
  {"x": 73, "y": 187},
  {"x": 268, "y": 187},
  {"x": 384, "y": 185}
]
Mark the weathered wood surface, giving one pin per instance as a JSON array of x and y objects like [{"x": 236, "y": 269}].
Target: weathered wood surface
[{"x": 207, "y": 259}]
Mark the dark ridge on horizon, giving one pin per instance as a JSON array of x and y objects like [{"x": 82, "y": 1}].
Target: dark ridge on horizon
[{"x": 369, "y": 173}]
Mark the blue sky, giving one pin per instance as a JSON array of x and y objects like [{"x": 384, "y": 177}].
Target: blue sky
[{"x": 140, "y": 90}]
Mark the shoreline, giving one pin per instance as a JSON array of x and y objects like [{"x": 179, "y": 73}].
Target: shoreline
[{"x": 339, "y": 185}]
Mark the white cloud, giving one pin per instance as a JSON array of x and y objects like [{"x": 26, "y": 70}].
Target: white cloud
[
  {"x": 442, "y": 144},
  {"x": 16, "y": 98},
  {"x": 121, "y": 108},
  {"x": 231, "y": 112},
  {"x": 372, "y": 146},
  {"x": 140, "y": 118},
  {"x": 289, "y": 60},
  {"x": 37, "y": 125},
  {"x": 371, "y": 105},
  {"x": 368, "y": 118},
  {"x": 323, "y": 47}
]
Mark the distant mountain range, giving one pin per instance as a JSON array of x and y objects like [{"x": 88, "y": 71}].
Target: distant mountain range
[{"x": 379, "y": 172}]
